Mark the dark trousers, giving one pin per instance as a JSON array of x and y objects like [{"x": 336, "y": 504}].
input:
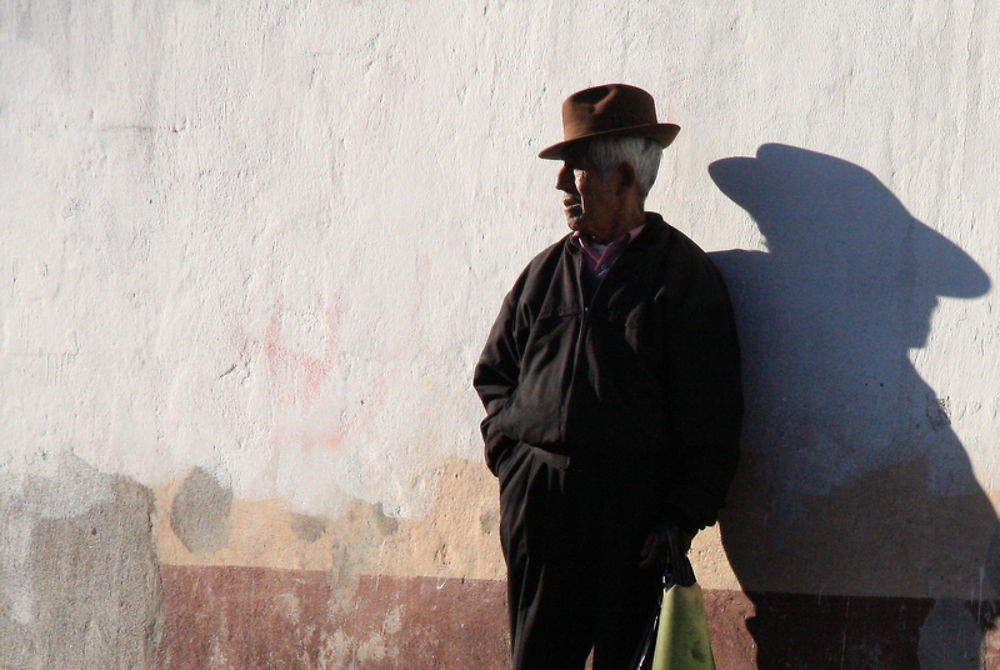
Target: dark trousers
[{"x": 571, "y": 536}]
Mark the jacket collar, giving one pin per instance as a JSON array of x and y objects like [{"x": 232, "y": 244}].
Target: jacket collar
[{"x": 653, "y": 228}]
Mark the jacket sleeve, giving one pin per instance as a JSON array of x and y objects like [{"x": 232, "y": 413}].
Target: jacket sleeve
[
  {"x": 704, "y": 398},
  {"x": 496, "y": 376}
]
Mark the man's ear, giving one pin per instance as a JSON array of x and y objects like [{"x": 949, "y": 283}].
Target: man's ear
[{"x": 629, "y": 177}]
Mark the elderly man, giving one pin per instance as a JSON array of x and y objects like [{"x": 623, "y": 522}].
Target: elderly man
[{"x": 611, "y": 386}]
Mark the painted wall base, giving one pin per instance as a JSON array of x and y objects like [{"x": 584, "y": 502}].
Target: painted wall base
[{"x": 258, "y": 619}]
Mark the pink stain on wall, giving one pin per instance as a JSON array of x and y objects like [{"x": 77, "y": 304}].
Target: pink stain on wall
[
  {"x": 295, "y": 375},
  {"x": 297, "y": 379},
  {"x": 302, "y": 384}
]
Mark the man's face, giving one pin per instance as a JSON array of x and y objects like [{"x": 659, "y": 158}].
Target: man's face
[{"x": 593, "y": 201}]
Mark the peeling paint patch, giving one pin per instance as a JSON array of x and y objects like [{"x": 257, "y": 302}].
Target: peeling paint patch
[
  {"x": 80, "y": 586},
  {"x": 308, "y": 528},
  {"x": 489, "y": 522},
  {"x": 361, "y": 535},
  {"x": 199, "y": 515},
  {"x": 938, "y": 411}
]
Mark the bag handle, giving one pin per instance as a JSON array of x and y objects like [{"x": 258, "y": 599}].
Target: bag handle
[{"x": 678, "y": 568}]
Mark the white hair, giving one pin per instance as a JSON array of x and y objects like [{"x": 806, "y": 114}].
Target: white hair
[{"x": 643, "y": 153}]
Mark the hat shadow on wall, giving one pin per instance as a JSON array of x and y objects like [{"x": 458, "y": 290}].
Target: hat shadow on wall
[{"x": 853, "y": 490}]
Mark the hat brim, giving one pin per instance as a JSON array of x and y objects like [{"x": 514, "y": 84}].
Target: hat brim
[{"x": 664, "y": 133}]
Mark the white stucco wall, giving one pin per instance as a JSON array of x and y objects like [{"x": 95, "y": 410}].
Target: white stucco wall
[{"x": 269, "y": 239}]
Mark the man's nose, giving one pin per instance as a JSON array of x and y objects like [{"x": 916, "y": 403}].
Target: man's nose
[{"x": 565, "y": 181}]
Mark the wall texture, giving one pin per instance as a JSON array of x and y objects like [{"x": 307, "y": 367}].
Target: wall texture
[{"x": 249, "y": 253}]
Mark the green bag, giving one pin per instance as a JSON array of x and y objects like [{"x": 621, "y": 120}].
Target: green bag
[
  {"x": 676, "y": 637},
  {"x": 682, "y": 636}
]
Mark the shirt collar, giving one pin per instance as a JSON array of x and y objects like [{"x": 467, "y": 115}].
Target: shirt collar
[
  {"x": 596, "y": 248},
  {"x": 586, "y": 242}
]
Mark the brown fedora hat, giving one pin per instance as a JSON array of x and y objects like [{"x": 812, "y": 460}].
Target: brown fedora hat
[{"x": 608, "y": 111}]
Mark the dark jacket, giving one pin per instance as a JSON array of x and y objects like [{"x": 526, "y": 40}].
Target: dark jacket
[{"x": 643, "y": 377}]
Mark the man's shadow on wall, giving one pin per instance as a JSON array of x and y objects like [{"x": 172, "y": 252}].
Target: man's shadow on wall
[{"x": 853, "y": 483}]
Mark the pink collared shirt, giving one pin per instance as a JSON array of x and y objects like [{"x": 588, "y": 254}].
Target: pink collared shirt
[{"x": 600, "y": 257}]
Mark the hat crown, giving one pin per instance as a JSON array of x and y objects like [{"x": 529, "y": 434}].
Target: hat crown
[
  {"x": 604, "y": 108},
  {"x": 611, "y": 110}
]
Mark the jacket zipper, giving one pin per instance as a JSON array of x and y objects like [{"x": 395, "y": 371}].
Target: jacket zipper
[{"x": 581, "y": 336}]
